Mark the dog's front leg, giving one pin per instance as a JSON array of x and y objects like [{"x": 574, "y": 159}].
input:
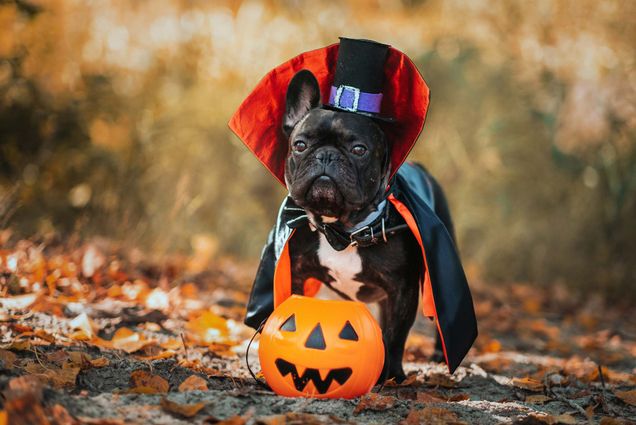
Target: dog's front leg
[{"x": 397, "y": 314}]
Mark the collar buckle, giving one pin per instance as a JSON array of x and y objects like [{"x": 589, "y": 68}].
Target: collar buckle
[{"x": 355, "y": 241}]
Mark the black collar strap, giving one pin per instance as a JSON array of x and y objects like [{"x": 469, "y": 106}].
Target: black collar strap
[{"x": 385, "y": 225}]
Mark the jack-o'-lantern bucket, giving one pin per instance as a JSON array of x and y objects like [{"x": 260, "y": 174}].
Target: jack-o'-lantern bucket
[{"x": 321, "y": 348}]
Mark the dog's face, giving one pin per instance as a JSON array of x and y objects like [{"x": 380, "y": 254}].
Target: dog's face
[{"x": 337, "y": 166}]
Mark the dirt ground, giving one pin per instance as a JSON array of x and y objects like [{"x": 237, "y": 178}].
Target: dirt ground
[{"x": 96, "y": 335}]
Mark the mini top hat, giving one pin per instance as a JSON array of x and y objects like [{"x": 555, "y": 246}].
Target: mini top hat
[{"x": 359, "y": 76}]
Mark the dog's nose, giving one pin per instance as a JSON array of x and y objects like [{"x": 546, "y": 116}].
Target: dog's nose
[{"x": 325, "y": 156}]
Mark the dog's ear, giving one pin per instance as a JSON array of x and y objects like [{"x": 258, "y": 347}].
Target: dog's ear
[{"x": 303, "y": 94}]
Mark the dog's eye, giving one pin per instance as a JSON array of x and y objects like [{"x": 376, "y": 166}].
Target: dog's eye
[
  {"x": 358, "y": 150},
  {"x": 299, "y": 146}
]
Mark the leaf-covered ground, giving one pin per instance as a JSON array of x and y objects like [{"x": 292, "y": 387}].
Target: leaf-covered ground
[{"x": 97, "y": 335}]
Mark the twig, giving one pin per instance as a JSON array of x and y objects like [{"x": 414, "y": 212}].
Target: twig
[
  {"x": 185, "y": 346},
  {"x": 606, "y": 407},
  {"x": 35, "y": 351},
  {"x": 600, "y": 374},
  {"x": 573, "y": 404}
]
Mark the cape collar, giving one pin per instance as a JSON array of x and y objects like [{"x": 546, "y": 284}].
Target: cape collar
[{"x": 258, "y": 120}]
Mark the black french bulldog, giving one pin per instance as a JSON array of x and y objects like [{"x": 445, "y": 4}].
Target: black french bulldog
[{"x": 337, "y": 170}]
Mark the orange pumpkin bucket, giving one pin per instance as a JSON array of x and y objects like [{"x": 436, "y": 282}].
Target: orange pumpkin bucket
[{"x": 321, "y": 348}]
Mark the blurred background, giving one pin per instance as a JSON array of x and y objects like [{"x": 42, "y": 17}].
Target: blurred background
[{"x": 113, "y": 123}]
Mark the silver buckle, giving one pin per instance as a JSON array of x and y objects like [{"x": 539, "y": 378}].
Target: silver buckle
[
  {"x": 356, "y": 97},
  {"x": 355, "y": 243}
]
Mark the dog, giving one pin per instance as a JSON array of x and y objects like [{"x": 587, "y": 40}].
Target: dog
[
  {"x": 337, "y": 170},
  {"x": 359, "y": 219}
]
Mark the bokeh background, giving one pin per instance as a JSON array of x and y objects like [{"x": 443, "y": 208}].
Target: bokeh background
[{"x": 113, "y": 124}]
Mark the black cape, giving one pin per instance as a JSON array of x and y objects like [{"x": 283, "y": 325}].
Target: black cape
[{"x": 413, "y": 188}]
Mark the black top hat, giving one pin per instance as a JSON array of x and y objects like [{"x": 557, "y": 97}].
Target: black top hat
[{"x": 359, "y": 78}]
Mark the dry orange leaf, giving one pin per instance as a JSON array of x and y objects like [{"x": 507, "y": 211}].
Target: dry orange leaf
[
  {"x": 4, "y": 420},
  {"x": 375, "y": 402},
  {"x": 61, "y": 416},
  {"x": 628, "y": 397},
  {"x": 424, "y": 397},
  {"x": 129, "y": 341},
  {"x": 7, "y": 359},
  {"x": 565, "y": 419},
  {"x": 432, "y": 416},
  {"x": 193, "y": 383},
  {"x": 537, "y": 399},
  {"x": 84, "y": 324},
  {"x": 185, "y": 410},
  {"x": 440, "y": 380},
  {"x": 409, "y": 381},
  {"x": 58, "y": 377},
  {"x": 208, "y": 326},
  {"x": 161, "y": 355},
  {"x": 26, "y": 384},
  {"x": 146, "y": 383},
  {"x": 100, "y": 362},
  {"x": 25, "y": 410},
  {"x": 528, "y": 384},
  {"x": 171, "y": 344}
]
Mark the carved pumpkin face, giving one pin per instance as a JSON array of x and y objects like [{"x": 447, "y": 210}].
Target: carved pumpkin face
[{"x": 321, "y": 348}]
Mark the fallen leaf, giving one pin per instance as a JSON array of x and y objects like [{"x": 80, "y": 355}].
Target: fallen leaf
[
  {"x": 424, "y": 397},
  {"x": 409, "y": 381},
  {"x": 20, "y": 302},
  {"x": 145, "y": 383},
  {"x": 159, "y": 356},
  {"x": 208, "y": 326},
  {"x": 100, "y": 421},
  {"x": 129, "y": 341},
  {"x": 25, "y": 410},
  {"x": 100, "y": 362},
  {"x": 84, "y": 324},
  {"x": 537, "y": 399},
  {"x": 193, "y": 383},
  {"x": 64, "y": 377},
  {"x": 79, "y": 359},
  {"x": 628, "y": 397},
  {"x": 374, "y": 402},
  {"x": 607, "y": 420},
  {"x": 17, "y": 345},
  {"x": 185, "y": 410},
  {"x": 234, "y": 420},
  {"x": 4, "y": 420},
  {"x": 61, "y": 416},
  {"x": 7, "y": 359},
  {"x": 432, "y": 416},
  {"x": 27, "y": 384},
  {"x": 565, "y": 419},
  {"x": 158, "y": 299},
  {"x": 529, "y": 384},
  {"x": 440, "y": 380}
]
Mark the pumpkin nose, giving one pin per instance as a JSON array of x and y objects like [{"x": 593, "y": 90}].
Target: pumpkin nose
[{"x": 316, "y": 339}]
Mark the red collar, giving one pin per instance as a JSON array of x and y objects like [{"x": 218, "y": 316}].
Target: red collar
[{"x": 258, "y": 120}]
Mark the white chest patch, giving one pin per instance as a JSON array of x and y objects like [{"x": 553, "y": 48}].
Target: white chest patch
[{"x": 343, "y": 267}]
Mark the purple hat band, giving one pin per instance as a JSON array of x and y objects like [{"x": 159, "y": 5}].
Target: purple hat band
[{"x": 352, "y": 99}]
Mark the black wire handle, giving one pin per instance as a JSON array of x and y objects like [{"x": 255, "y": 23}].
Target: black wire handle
[{"x": 247, "y": 361}]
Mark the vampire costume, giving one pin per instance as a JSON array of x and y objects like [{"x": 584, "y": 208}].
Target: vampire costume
[{"x": 399, "y": 104}]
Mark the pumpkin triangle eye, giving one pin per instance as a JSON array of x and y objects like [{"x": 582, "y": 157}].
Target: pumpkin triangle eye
[
  {"x": 290, "y": 324},
  {"x": 348, "y": 332},
  {"x": 316, "y": 339}
]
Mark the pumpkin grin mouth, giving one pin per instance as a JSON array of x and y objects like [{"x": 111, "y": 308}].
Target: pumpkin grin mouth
[{"x": 340, "y": 375}]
